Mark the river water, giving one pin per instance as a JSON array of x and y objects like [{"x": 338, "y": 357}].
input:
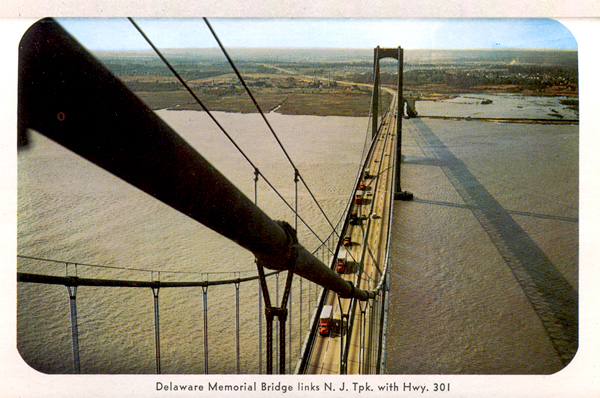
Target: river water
[
  {"x": 509, "y": 106},
  {"x": 488, "y": 242},
  {"x": 70, "y": 210}
]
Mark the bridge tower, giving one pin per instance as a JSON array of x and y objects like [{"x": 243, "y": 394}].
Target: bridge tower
[{"x": 396, "y": 53}]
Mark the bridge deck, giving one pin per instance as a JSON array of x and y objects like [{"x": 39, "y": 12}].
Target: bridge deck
[{"x": 368, "y": 248}]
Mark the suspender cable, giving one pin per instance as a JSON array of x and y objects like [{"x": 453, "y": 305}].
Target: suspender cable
[
  {"x": 124, "y": 137},
  {"x": 266, "y": 121},
  {"x": 156, "y": 329},
  {"x": 259, "y": 328},
  {"x": 205, "y": 326},
  {"x": 237, "y": 328},
  {"x": 189, "y": 90}
]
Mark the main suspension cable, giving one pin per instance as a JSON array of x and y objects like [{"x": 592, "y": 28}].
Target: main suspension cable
[
  {"x": 241, "y": 79},
  {"x": 189, "y": 90}
]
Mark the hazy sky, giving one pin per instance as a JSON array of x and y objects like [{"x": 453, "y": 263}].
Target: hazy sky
[{"x": 119, "y": 33}]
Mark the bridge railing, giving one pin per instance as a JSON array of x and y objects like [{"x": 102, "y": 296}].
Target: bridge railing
[{"x": 74, "y": 277}]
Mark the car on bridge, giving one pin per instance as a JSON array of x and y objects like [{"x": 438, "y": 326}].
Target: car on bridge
[
  {"x": 341, "y": 261},
  {"x": 359, "y": 195},
  {"x": 326, "y": 320}
]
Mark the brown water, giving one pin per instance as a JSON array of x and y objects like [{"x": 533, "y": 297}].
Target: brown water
[
  {"x": 486, "y": 255},
  {"x": 72, "y": 211},
  {"x": 455, "y": 307},
  {"x": 510, "y": 106}
]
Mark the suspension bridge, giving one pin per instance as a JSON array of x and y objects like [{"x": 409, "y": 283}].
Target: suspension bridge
[
  {"x": 131, "y": 142},
  {"x": 337, "y": 322}
]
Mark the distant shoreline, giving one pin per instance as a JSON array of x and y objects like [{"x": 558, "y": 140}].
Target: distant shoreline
[
  {"x": 455, "y": 118},
  {"x": 503, "y": 120}
]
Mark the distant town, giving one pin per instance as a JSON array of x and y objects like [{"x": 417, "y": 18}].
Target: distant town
[{"x": 336, "y": 82}]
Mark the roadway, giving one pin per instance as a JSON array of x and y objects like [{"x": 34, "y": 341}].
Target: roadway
[{"x": 366, "y": 259}]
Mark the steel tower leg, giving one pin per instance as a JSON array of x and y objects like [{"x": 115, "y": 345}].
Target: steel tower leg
[
  {"x": 399, "y": 194},
  {"x": 375, "y": 99}
]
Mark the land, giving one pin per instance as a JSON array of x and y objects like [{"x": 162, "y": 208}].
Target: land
[{"x": 337, "y": 82}]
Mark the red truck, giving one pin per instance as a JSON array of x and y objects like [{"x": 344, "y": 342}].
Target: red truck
[
  {"x": 347, "y": 241},
  {"x": 326, "y": 320},
  {"x": 358, "y": 198},
  {"x": 341, "y": 261}
]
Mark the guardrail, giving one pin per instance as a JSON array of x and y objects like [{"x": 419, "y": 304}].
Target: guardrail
[{"x": 73, "y": 282}]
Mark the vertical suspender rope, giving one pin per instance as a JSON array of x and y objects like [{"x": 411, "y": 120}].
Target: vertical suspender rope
[
  {"x": 289, "y": 349},
  {"x": 156, "y": 322},
  {"x": 260, "y": 315},
  {"x": 278, "y": 333},
  {"x": 156, "y": 329},
  {"x": 205, "y": 318},
  {"x": 341, "y": 364},
  {"x": 265, "y": 120},
  {"x": 237, "y": 328},
  {"x": 368, "y": 336},
  {"x": 363, "y": 312},
  {"x": 269, "y": 319},
  {"x": 300, "y": 313},
  {"x": 282, "y": 314},
  {"x": 260, "y": 284},
  {"x": 291, "y": 301},
  {"x": 374, "y": 318},
  {"x": 269, "y": 316},
  {"x": 300, "y": 281}
]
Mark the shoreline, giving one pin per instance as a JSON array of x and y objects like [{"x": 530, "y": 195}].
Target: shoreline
[
  {"x": 455, "y": 118},
  {"x": 503, "y": 120}
]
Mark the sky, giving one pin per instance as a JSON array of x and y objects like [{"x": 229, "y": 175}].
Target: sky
[{"x": 100, "y": 34}]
